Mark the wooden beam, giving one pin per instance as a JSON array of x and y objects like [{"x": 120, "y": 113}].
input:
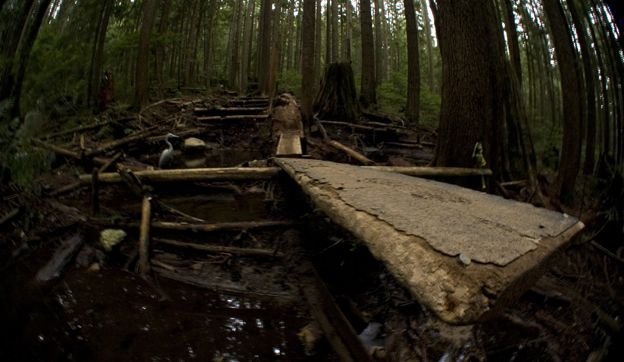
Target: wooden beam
[
  {"x": 144, "y": 238},
  {"x": 242, "y": 225},
  {"x": 193, "y": 175}
]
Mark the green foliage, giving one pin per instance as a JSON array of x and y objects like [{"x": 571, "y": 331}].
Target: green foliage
[
  {"x": 55, "y": 69},
  {"x": 25, "y": 164},
  {"x": 392, "y": 98},
  {"x": 290, "y": 81}
]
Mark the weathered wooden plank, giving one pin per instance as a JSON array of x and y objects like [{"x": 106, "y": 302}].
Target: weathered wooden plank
[
  {"x": 461, "y": 253},
  {"x": 289, "y": 145},
  {"x": 434, "y": 171}
]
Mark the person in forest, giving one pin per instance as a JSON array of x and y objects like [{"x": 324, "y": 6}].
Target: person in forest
[{"x": 105, "y": 95}]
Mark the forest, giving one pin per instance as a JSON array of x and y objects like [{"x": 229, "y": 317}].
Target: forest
[{"x": 523, "y": 99}]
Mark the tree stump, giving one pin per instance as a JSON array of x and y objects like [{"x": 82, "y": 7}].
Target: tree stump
[{"x": 337, "y": 99}]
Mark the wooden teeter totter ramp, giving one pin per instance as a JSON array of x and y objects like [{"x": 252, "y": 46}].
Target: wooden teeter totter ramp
[{"x": 461, "y": 253}]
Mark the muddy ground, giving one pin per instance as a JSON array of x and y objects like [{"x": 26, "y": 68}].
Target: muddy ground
[{"x": 223, "y": 306}]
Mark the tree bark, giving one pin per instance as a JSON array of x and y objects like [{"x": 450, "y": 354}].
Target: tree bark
[
  {"x": 368, "y": 92},
  {"x": 429, "y": 41},
  {"x": 348, "y": 33},
  {"x": 588, "y": 70},
  {"x": 334, "y": 31},
  {"x": 317, "y": 44},
  {"x": 307, "y": 80},
  {"x": 244, "y": 77},
  {"x": 380, "y": 58},
  {"x": 571, "y": 91},
  {"x": 412, "y": 110},
  {"x": 264, "y": 61},
  {"x": 512, "y": 38},
  {"x": 470, "y": 111},
  {"x": 142, "y": 67},
  {"x": 98, "y": 51}
]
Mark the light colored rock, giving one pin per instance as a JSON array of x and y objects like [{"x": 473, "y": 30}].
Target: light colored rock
[
  {"x": 111, "y": 237},
  {"x": 193, "y": 144}
]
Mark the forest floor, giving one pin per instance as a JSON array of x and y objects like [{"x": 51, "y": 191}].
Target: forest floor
[{"x": 253, "y": 296}]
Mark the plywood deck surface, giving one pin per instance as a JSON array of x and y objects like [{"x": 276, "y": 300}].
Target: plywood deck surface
[{"x": 485, "y": 231}]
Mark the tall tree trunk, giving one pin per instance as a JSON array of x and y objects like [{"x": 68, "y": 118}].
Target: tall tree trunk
[
  {"x": 10, "y": 46},
  {"x": 307, "y": 67},
  {"x": 413, "y": 64},
  {"x": 26, "y": 42},
  {"x": 264, "y": 61},
  {"x": 208, "y": 44},
  {"x": 571, "y": 91},
  {"x": 348, "y": 34},
  {"x": 317, "y": 44},
  {"x": 512, "y": 38},
  {"x": 368, "y": 92},
  {"x": 588, "y": 70},
  {"x": 329, "y": 57},
  {"x": 251, "y": 6},
  {"x": 429, "y": 41},
  {"x": 380, "y": 58},
  {"x": 471, "y": 112},
  {"x": 235, "y": 49},
  {"x": 334, "y": 31},
  {"x": 98, "y": 51},
  {"x": 142, "y": 66}
]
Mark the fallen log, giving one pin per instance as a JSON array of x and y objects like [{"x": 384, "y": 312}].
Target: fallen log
[
  {"x": 254, "y": 117},
  {"x": 144, "y": 238},
  {"x": 63, "y": 255},
  {"x": 242, "y": 225},
  {"x": 66, "y": 189},
  {"x": 350, "y": 152},
  {"x": 434, "y": 171},
  {"x": 265, "y": 253},
  {"x": 193, "y": 175},
  {"x": 67, "y": 153},
  {"x": 56, "y": 149},
  {"x": 224, "y": 111}
]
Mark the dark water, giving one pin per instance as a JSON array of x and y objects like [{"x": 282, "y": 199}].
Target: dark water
[{"x": 113, "y": 315}]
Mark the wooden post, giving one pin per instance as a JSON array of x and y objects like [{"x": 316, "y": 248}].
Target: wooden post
[
  {"x": 144, "y": 238},
  {"x": 95, "y": 193}
]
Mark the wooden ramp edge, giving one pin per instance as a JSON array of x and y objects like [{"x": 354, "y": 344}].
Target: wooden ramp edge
[{"x": 457, "y": 291}]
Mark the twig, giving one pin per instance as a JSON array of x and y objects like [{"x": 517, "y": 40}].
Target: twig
[
  {"x": 6, "y": 218},
  {"x": 606, "y": 251},
  {"x": 222, "y": 249}
]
